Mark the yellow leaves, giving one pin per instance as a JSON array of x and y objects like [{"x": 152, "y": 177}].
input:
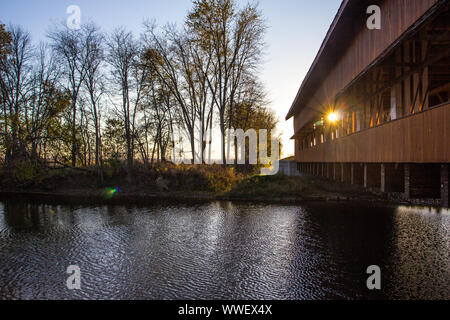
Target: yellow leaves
[{"x": 5, "y": 40}]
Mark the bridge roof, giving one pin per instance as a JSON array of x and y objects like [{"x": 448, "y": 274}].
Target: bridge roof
[{"x": 334, "y": 37}]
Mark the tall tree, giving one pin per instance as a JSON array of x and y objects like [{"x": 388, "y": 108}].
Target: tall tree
[
  {"x": 5, "y": 43},
  {"x": 235, "y": 39},
  {"x": 123, "y": 57},
  {"x": 15, "y": 75},
  {"x": 166, "y": 55},
  {"x": 46, "y": 102},
  {"x": 95, "y": 85},
  {"x": 71, "y": 48}
]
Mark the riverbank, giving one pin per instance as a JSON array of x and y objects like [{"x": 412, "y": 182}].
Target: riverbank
[
  {"x": 184, "y": 184},
  {"x": 277, "y": 190},
  {"x": 97, "y": 197}
]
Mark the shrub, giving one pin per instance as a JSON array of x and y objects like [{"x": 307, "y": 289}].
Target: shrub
[
  {"x": 222, "y": 179},
  {"x": 205, "y": 178},
  {"x": 112, "y": 168},
  {"x": 269, "y": 186}
]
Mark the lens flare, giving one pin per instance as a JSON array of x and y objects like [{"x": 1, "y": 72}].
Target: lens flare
[
  {"x": 110, "y": 192},
  {"x": 333, "y": 117}
]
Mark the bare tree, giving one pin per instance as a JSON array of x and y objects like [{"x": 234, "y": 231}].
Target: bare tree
[
  {"x": 235, "y": 39},
  {"x": 95, "y": 85},
  {"x": 70, "y": 45},
  {"x": 123, "y": 57},
  {"x": 53, "y": 101},
  {"x": 47, "y": 100},
  {"x": 182, "y": 68}
]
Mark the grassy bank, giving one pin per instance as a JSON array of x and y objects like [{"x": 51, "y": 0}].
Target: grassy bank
[
  {"x": 159, "y": 178},
  {"x": 284, "y": 187},
  {"x": 167, "y": 181}
]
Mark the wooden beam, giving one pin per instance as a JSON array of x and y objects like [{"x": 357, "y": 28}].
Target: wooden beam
[
  {"x": 412, "y": 71},
  {"x": 445, "y": 87},
  {"x": 433, "y": 12}
]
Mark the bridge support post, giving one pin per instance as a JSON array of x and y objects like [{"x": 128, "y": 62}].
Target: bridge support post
[
  {"x": 444, "y": 185},
  {"x": 337, "y": 172},
  {"x": 342, "y": 173},
  {"x": 366, "y": 184},
  {"x": 352, "y": 174},
  {"x": 357, "y": 174},
  {"x": 347, "y": 173},
  {"x": 407, "y": 171}
]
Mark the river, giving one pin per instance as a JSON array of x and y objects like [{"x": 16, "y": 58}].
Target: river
[{"x": 223, "y": 250}]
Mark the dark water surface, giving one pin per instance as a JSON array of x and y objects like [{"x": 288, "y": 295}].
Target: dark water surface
[{"x": 223, "y": 251}]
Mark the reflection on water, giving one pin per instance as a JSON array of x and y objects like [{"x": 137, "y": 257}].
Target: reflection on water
[{"x": 223, "y": 251}]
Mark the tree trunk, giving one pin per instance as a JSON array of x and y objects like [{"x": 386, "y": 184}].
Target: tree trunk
[{"x": 74, "y": 133}]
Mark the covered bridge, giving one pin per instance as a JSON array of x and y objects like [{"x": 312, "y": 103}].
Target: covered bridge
[{"x": 374, "y": 108}]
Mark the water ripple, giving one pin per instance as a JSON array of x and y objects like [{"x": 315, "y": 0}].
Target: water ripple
[{"x": 222, "y": 251}]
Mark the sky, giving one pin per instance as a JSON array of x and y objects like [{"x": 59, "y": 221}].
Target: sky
[{"x": 296, "y": 31}]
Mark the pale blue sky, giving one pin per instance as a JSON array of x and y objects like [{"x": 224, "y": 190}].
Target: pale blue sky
[{"x": 297, "y": 28}]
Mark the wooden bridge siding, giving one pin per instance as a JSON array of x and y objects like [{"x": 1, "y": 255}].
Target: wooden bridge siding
[
  {"x": 420, "y": 138},
  {"x": 396, "y": 17}
]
